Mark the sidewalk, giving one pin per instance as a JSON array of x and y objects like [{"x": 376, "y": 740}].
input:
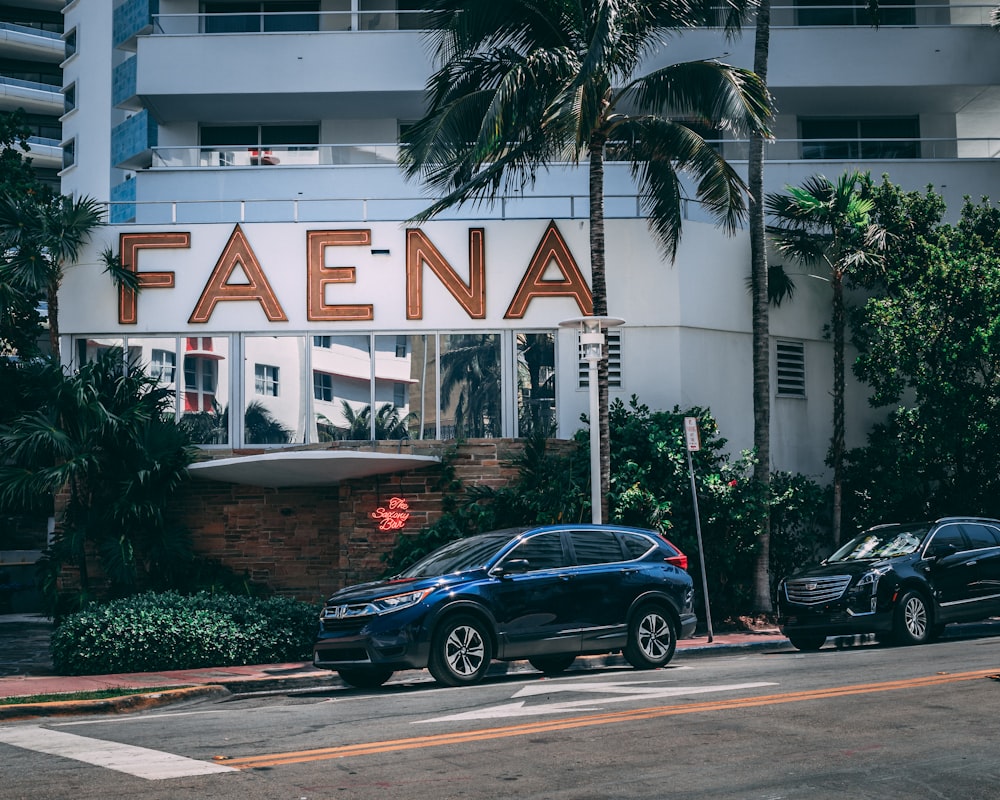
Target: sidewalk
[{"x": 26, "y": 669}]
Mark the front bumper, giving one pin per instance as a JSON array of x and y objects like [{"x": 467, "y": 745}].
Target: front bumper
[{"x": 378, "y": 641}]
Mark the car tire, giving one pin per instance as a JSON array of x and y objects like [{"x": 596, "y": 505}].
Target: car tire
[
  {"x": 461, "y": 651},
  {"x": 807, "y": 642},
  {"x": 554, "y": 664},
  {"x": 913, "y": 619},
  {"x": 364, "y": 677},
  {"x": 652, "y": 638}
]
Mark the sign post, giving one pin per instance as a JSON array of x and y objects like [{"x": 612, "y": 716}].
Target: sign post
[{"x": 692, "y": 439}]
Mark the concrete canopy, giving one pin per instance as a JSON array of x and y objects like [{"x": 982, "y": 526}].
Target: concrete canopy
[{"x": 306, "y": 468}]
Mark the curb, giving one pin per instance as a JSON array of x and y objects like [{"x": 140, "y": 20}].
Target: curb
[{"x": 109, "y": 705}]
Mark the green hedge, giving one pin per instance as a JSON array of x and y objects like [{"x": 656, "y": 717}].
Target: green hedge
[{"x": 161, "y": 631}]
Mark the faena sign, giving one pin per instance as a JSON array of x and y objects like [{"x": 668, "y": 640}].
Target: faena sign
[
  {"x": 392, "y": 517},
  {"x": 238, "y": 258}
]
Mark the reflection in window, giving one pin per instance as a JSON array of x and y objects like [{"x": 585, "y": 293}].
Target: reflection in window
[
  {"x": 854, "y": 12},
  {"x": 471, "y": 400},
  {"x": 536, "y": 384},
  {"x": 163, "y": 365},
  {"x": 277, "y": 410},
  {"x": 266, "y": 379},
  {"x": 205, "y": 390},
  {"x": 342, "y": 387},
  {"x": 405, "y": 372}
]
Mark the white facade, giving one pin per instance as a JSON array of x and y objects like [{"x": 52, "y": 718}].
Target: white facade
[{"x": 239, "y": 137}]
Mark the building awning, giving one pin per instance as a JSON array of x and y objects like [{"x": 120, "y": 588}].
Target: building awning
[{"x": 306, "y": 468}]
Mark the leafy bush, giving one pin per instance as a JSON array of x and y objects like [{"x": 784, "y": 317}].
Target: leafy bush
[{"x": 159, "y": 631}]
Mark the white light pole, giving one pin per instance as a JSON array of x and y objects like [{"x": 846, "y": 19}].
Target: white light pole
[{"x": 591, "y": 336}]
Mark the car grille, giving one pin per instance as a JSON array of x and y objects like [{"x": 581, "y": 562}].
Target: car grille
[{"x": 813, "y": 591}]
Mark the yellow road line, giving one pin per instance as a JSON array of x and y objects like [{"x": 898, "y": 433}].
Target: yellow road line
[{"x": 462, "y": 737}]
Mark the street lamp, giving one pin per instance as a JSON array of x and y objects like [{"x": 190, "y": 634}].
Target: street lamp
[{"x": 591, "y": 336}]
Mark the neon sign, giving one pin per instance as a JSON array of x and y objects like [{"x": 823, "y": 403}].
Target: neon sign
[{"x": 393, "y": 517}]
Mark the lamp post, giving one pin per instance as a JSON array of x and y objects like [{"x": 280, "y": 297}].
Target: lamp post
[{"x": 591, "y": 337}]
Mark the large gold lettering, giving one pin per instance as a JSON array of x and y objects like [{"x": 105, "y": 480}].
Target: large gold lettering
[
  {"x": 237, "y": 253},
  {"x": 318, "y": 275},
  {"x": 551, "y": 249},
  {"x": 420, "y": 251},
  {"x": 129, "y": 245}
]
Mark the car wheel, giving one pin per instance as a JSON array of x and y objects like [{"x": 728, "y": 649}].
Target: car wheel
[
  {"x": 364, "y": 677},
  {"x": 807, "y": 641},
  {"x": 913, "y": 619},
  {"x": 652, "y": 638},
  {"x": 553, "y": 665},
  {"x": 461, "y": 651}
]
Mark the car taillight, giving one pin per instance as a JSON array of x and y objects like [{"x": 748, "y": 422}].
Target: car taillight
[{"x": 680, "y": 560}]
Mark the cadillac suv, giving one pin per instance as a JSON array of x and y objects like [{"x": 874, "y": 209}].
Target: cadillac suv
[
  {"x": 905, "y": 581},
  {"x": 545, "y": 594}
]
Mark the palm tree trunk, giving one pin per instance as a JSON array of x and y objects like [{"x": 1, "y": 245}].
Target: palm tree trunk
[
  {"x": 761, "y": 324},
  {"x": 837, "y": 444},
  {"x": 599, "y": 291},
  {"x": 53, "y": 309}
]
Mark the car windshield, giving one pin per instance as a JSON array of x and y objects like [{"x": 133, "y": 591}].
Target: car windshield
[
  {"x": 885, "y": 543},
  {"x": 463, "y": 554}
]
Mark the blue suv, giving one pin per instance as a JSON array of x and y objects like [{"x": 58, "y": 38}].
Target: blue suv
[{"x": 545, "y": 594}]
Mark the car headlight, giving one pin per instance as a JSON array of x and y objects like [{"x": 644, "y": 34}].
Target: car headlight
[
  {"x": 872, "y": 577},
  {"x": 398, "y": 601}
]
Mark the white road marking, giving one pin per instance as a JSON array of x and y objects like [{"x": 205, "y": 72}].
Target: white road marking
[
  {"x": 622, "y": 693},
  {"x": 142, "y": 762}
]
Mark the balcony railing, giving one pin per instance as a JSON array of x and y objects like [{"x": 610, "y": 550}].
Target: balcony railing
[
  {"x": 891, "y": 14},
  {"x": 289, "y": 22},
  {"x": 387, "y": 154}
]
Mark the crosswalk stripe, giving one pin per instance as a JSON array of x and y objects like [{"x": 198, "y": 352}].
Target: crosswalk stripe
[{"x": 142, "y": 762}]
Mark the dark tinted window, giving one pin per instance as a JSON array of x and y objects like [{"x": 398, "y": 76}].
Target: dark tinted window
[
  {"x": 635, "y": 545},
  {"x": 596, "y": 547},
  {"x": 980, "y": 536},
  {"x": 543, "y": 551},
  {"x": 947, "y": 535}
]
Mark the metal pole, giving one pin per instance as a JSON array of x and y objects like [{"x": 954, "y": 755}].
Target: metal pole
[
  {"x": 595, "y": 445},
  {"x": 701, "y": 549}
]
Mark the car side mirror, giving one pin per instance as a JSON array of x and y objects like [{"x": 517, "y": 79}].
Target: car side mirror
[{"x": 515, "y": 566}]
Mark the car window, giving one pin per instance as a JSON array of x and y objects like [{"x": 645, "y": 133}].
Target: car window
[
  {"x": 596, "y": 547},
  {"x": 980, "y": 536},
  {"x": 944, "y": 536},
  {"x": 543, "y": 551},
  {"x": 635, "y": 545}
]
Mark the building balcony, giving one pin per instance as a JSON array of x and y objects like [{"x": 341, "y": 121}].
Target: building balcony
[
  {"x": 293, "y": 184},
  {"x": 33, "y": 97},
  {"x": 24, "y": 43},
  {"x": 133, "y": 140}
]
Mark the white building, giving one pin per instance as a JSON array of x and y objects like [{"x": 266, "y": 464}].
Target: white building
[{"x": 248, "y": 154}]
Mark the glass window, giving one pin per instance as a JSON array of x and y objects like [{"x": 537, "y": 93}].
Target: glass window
[
  {"x": 536, "y": 384},
  {"x": 542, "y": 551},
  {"x": 274, "y": 411},
  {"x": 405, "y": 399},
  {"x": 596, "y": 547},
  {"x": 947, "y": 536},
  {"x": 266, "y": 379},
  {"x": 342, "y": 388},
  {"x": 636, "y": 546},
  {"x": 470, "y": 386},
  {"x": 981, "y": 536},
  {"x": 205, "y": 391},
  {"x": 842, "y": 138},
  {"x": 163, "y": 364}
]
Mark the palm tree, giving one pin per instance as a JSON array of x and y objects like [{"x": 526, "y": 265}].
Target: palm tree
[
  {"x": 470, "y": 383},
  {"x": 388, "y": 423},
  {"x": 40, "y": 236},
  {"x": 102, "y": 438},
  {"x": 830, "y": 224},
  {"x": 528, "y": 84}
]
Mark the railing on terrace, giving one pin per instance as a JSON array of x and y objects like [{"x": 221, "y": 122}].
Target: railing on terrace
[
  {"x": 891, "y": 14},
  {"x": 36, "y": 85},
  {"x": 30, "y": 30},
  {"x": 387, "y": 154}
]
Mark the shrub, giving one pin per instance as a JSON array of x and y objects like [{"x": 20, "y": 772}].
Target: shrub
[{"x": 159, "y": 631}]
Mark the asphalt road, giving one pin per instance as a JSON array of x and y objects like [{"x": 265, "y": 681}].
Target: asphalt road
[{"x": 867, "y": 721}]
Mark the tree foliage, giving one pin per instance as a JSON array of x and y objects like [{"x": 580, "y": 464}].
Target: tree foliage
[
  {"x": 929, "y": 344},
  {"x": 101, "y": 439}
]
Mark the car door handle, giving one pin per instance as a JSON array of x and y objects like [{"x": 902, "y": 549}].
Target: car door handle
[{"x": 971, "y": 563}]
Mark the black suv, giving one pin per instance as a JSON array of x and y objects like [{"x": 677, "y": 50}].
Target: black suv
[
  {"x": 545, "y": 594},
  {"x": 906, "y": 581}
]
